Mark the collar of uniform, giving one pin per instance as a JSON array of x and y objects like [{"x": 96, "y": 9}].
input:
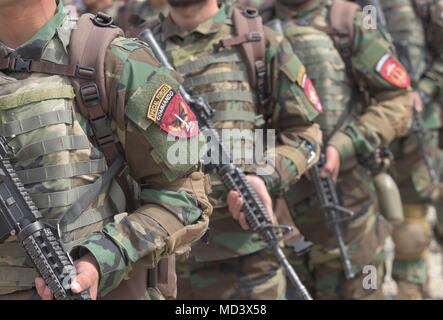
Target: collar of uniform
[
  {"x": 210, "y": 26},
  {"x": 304, "y": 12},
  {"x": 34, "y": 47}
]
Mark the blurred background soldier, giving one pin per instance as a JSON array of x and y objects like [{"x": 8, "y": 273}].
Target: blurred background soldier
[
  {"x": 368, "y": 102},
  {"x": 416, "y": 28}
]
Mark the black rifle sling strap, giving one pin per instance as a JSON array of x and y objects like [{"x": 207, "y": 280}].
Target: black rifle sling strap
[
  {"x": 250, "y": 37},
  {"x": 88, "y": 46}
]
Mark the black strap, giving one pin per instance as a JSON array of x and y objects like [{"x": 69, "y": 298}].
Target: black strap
[{"x": 95, "y": 189}]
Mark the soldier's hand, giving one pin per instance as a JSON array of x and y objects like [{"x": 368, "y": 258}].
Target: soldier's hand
[
  {"x": 332, "y": 165},
  {"x": 87, "y": 279},
  {"x": 235, "y": 201},
  {"x": 418, "y": 102}
]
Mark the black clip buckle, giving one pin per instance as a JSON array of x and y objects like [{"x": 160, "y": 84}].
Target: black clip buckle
[
  {"x": 254, "y": 36},
  {"x": 250, "y": 12},
  {"x": 260, "y": 68},
  {"x": 90, "y": 94},
  {"x": 22, "y": 65},
  {"x": 102, "y": 20},
  {"x": 217, "y": 46}
]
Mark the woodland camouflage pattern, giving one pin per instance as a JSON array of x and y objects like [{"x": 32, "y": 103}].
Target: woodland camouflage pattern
[
  {"x": 222, "y": 79},
  {"x": 172, "y": 197},
  {"x": 421, "y": 38},
  {"x": 367, "y": 128}
]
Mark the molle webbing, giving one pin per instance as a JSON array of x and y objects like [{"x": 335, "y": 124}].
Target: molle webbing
[
  {"x": 58, "y": 199},
  {"x": 17, "y": 127},
  {"x": 222, "y": 57},
  {"x": 236, "y": 115},
  {"x": 228, "y": 95},
  {"x": 62, "y": 171},
  {"x": 215, "y": 77},
  {"x": 58, "y": 144}
]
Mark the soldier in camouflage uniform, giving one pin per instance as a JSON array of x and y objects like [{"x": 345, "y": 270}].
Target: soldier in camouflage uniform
[
  {"x": 416, "y": 28},
  {"x": 58, "y": 163},
  {"x": 233, "y": 263},
  {"x": 366, "y": 108}
]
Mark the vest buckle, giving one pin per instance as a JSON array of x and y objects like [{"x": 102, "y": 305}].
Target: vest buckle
[
  {"x": 254, "y": 36},
  {"x": 90, "y": 94},
  {"x": 22, "y": 65},
  {"x": 85, "y": 73}
]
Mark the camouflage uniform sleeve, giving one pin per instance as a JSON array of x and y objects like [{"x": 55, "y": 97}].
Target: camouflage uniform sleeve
[
  {"x": 174, "y": 206},
  {"x": 432, "y": 81},
  {"x": 388, "y": 112},
  {"x": 298, "y": 138}
]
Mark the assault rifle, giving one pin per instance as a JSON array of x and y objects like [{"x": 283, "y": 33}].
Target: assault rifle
[
  {"x": 329, "y": 201},
  {"x": 20, "y": 217},
  {"x": 233, "y": 177}
]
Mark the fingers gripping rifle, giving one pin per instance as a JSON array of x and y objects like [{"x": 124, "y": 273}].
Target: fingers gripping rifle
[
  {"x": 19, "y": 216},
  {"x": 233, "y": 177},
  {"x": 327, "y": 195}
]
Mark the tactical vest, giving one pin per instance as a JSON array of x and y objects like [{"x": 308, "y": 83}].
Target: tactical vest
[
  {"x": 222, "y": 79},
  {"x": 325, "y": 66},
  {"x": 54, "y": 158}
]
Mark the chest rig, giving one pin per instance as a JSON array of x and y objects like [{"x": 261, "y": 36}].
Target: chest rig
[
  {"x": 325, "y": 50},
  {"x": 228, "y": 69},
  {"x": 69, "y": 178}
]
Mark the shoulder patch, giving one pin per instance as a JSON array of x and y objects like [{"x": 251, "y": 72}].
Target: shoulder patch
[
  {"x": 312, "y": 94},
  {"x": 169, "y": 110},
  {"x": 393, "y": 71},
  {"x": 309, "y": 89}
]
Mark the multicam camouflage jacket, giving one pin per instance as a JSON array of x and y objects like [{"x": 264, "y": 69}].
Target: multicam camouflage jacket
[
  {"x": 220, "y": 76},
  {"x": 57, "y": 162}
]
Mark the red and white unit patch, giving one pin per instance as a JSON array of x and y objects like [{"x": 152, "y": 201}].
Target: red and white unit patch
[
  {"x": 168, "y": 109},
  {"x": 392, "y": 71},
  {"x": 311, "y": 93}
]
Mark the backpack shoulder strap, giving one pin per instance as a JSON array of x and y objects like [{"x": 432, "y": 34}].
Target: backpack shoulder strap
[
  {"x": 341, "y": 18},
  {"x": 250, "y": 37},
  {"x": 88, "y": 46}
]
